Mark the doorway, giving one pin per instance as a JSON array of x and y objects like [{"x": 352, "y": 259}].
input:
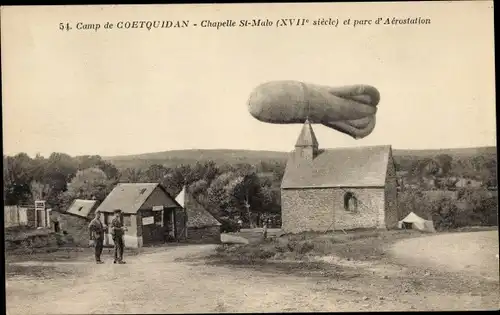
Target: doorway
[{"x": 169, "y": 225}]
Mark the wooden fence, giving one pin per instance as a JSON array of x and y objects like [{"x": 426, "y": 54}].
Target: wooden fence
[{"x": 15, "y": 216}]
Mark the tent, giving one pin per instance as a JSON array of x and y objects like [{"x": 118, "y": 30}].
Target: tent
[{"x": 413, "y": 221}]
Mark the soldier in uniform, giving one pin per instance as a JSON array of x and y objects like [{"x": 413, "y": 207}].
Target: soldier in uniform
[
  {"x": 97, "y": 229},
  {"x": 117, "y": 231}
]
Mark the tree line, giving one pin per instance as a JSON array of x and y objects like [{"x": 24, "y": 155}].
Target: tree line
[
  {"x": 225, "y": 189},
  {"x": 446, "y": 170}
]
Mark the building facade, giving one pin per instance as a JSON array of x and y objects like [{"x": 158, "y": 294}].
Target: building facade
[
  {"x": 150, "y": 214},
  {"x": 334, "y": 189},
  {"x": 73, "y": 222}
]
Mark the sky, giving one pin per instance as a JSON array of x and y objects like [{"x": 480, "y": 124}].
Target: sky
[{"x": 118, "y": 92}]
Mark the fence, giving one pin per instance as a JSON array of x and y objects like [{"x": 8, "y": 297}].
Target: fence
[
  {"x": 15, "y": 216},
  {"x": 25, "y": 216}
]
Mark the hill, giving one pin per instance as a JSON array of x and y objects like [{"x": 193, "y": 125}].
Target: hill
[
  {"x": 221, "y": 156},
  {"x": 177, "y": 157}
]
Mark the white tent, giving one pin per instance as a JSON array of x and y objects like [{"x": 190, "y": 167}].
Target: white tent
[{"x": 416, "y": 223}]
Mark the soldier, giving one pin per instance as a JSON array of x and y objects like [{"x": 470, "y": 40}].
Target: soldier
[
  {"x": 117, "y": 231},
  {"x": 97, "y": 229}
]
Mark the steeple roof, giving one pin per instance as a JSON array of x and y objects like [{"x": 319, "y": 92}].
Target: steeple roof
[{"x": 307, "y": 138}]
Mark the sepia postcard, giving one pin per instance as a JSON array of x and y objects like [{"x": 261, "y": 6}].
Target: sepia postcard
[{"x": 250, "y": 158}]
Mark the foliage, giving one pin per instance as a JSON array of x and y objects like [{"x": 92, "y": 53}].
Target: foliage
[
  {"x": 414, "y": 201},
  {"x": 234, "y": 186},
  {"x": 481, "y": 207},
  {"x": 444, "y": 213}
]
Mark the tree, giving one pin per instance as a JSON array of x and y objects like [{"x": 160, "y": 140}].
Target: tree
[
  {"x": 130, "y": 175},
  {"x": 199, "y": 187},
  {"x": 444, "y": 213},
  {"x": 248, "y": 193},
  {"x": 219, "y": 192},
  {"x": 39, "y": 191},
  {"x": 445, "y": 162},
  {"x": 17, "y": 178},
  {"x": 156, "y": 173},
  {"x": 91, "y": 183},
  {"x": 59, "y": 168}
]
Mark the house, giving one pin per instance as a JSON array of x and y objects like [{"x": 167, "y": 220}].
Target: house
[
  {"x": 150, "y": 214},
  {"x": 75, "y": 220},
  {"x": 202, "y": 227},
  {"x": 343, "y": 188}
]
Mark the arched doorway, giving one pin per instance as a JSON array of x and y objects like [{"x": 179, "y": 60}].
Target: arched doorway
[{"x": 350, "y": 202}]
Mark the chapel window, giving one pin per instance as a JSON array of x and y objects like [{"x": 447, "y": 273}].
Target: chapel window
[{"x": 350, "y": 202}]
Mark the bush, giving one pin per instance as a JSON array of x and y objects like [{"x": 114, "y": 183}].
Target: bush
[
  {"x": 415, "y": 201},
  {"x": 444, "y": 213},
  {"x": 469, "y": 207},
  {"x": 481, "y": 207},
  {"x": 228, "y": 225}
]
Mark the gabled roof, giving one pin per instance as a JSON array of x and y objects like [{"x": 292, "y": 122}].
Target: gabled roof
[
  {"x": 128, "y": 197},
  {"x": 82, "y": 208},
  {"x": 198, "y": 216},
  {"x": 341, "y": 167},
  {"x": 307, "y": 136}
]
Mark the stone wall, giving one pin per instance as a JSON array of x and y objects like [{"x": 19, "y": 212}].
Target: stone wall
[
  {"x": 392, "y": 213},
  {"x": 205, "y": 235},
  {"x": 323, "y": 209},
  {"x": 76, "y": 228}
]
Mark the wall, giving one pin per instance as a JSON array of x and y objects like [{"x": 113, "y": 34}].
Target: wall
[
  {"x": 323, "y": 209},
  {"x": 15, "y": 216},
  {"x": 204, "y": 235},
  {"x": 392, "y": 213},
  {"x": 76, "y": 227},
  {"x": 157, "y": 198},
  {"x": 130, "y": 238},
  {"x": 152, "y": 233}
]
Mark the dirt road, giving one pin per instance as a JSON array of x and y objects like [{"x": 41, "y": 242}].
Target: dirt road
[
  {"x": 462, "y": 252},
  {"x": 158, "y": 283}
]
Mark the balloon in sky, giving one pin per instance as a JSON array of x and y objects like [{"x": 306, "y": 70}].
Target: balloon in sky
[{"x": 348, "y": 109}]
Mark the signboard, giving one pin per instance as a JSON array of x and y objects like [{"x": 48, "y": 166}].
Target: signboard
[
  {"x": 40, "y": 205},
  {"x": 157, "y": 208},
  {"x": 148, "y": 220}
]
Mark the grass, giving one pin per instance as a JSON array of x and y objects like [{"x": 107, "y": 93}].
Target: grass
[
  {"x": 298, "y": 255},
  {"x": 359, "y": 245}
]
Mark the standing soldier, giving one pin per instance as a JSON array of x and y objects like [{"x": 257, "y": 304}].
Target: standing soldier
[
  {"x": 117, "y": 231},
  {"x": 96, "y": 229}
]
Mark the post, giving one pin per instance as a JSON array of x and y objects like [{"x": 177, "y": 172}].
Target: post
[{"x": 186, "y": 223}]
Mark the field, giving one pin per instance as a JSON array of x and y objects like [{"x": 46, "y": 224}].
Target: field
[{"x": 358, "y": 271}]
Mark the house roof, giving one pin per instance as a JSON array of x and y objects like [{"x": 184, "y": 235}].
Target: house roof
[
  {"x": 128, "y": 197},
  {"x": 340, "y": 167},
  {"x": 197, "y": 215},
  {"x": 81, "y": 208},
  {"x": 307, "y": 136}
]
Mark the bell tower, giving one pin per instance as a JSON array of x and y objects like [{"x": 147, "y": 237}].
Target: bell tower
[{"x": 306, "y": 147}]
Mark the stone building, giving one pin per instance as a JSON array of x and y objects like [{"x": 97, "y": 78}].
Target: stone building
[
  {"x": 74, "y": 221},
  {"x": 202, "y": 227},
  {"x": 333, "y": 189}
]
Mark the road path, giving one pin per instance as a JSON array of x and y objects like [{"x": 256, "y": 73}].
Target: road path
[
  {"x": 474, "y": 252},
  {"x": 159, "y": 283}
]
